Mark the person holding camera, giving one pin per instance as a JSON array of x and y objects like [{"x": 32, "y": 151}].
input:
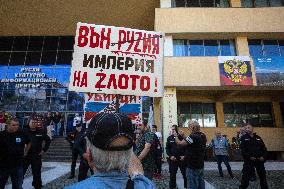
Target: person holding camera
[
  {"x": 38, "y": 136},
  {"x": 176, "y": 157},
  {"x": 195, "y": 145}
]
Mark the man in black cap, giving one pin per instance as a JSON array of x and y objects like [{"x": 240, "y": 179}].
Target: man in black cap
[
  {"x": 110, "y": 155},
  {"x": 38, "y": 135}
]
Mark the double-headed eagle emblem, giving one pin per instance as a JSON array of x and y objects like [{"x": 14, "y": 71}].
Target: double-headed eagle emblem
[{"x": 235, "y": 70}]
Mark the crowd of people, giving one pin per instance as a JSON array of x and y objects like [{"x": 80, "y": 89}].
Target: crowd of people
[{"x": 119, "y": 155}]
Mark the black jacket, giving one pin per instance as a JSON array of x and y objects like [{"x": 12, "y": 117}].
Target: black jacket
[
  {"x": 195, "y": 150},
  {"x": 37, "y": 138},
  {"x": 80, "y": 144},
  {"x": 12, "y": 148},
  {"x": 172, "y": 149},
  {"x": 252, "y": 147}
]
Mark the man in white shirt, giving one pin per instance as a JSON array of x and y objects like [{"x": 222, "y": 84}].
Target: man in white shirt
[{"x": 77, "y": 120}]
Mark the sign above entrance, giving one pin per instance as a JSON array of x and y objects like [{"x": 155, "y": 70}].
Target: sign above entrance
[
  {"x": 117, "y": 60},
  {"x": 28, "y": 77}
]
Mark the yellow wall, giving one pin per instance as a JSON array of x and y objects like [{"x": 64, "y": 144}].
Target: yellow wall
[
  {"x": 272, "y": 137},
  {"x": 220, "y": 20},
  {"x": 191, "y": 71},
  {"x": 53, "y": 17}
]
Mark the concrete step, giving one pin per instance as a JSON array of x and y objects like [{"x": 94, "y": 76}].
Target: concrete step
[{"x": 59, "y": 150}]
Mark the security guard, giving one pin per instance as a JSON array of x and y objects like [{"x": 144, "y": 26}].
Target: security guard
[
  {"x": 74, "y": 139},
  {"x": 254, "y": 153},
  {"x": 37, "y": 135},
  {"x": 176, "y": 158},
  {"x": 14, "y": 144}
]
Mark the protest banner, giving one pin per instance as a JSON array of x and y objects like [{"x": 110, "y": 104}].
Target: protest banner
[
  {"x": 98, "y": 103},
  {"x": 117, "y": 60}
]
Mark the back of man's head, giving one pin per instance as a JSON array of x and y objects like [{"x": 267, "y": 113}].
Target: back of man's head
[
  {"x": 110, "y": 139},
  {"x": 194, "y": 125}
]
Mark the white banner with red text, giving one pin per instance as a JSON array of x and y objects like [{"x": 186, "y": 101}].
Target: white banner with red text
[{"x": 117, "y": 60}]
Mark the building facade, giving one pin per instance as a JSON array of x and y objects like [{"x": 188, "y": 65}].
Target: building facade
[
  {"x": 36, "y": 40},
  {"x": 198, "y": 33}
]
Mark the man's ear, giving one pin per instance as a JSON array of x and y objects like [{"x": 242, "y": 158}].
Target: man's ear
[{"x": 89, "y": 159}]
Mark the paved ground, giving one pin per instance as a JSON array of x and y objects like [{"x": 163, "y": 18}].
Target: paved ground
[
  {"x": 274, "y": 178},
  {"x": 55, "y": 176}
]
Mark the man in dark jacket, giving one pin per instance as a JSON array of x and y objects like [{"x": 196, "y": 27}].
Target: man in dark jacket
[
  {"x": 14, "y": 145},
  {"x": 195, "y": 145},
  {"x": 38, "y": 135},
  {"x": 81, "y": 146},
  {"x": 254, "y": 153},
  {"x": 176, "y": 157},
  {"x": 75, "y": 140}
]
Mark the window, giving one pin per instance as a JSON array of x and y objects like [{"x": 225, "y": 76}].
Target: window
[
  {"x": 53, "y": 55},
  {"x": 211, "y": 47},
  {"x": 196, "y": 48},
  {"x": 204, "y": 113},
  {"x": 260, "y": 47},
  {"x": 36, "y": 50},
  {"x": 184, "y": 47},
  {"x": 180, "y": 48},
  {"x": 200, "y": 3},
  {"x": 262, "y": 3},
  {"x": 257, "y": 114}
]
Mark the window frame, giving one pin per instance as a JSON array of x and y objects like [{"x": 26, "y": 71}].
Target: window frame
[
  {"x": 188, "y": 47},
  {"x": 247, "y": 114},
  {"x": 190, "y": 114},
  {"x": 263, "y": 50}
]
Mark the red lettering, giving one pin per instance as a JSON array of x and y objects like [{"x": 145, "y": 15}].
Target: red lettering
[
  {"x": 99, "y": 83},
  {"x": 144, "y": 87},
  {"x": 90, "y": 95},
  {"x": 155, "y": 43},
  {"x": 112, "y": 81},
  {"x": 132, "y": 99},
  {"x": 147, "y": 43},
  {"x": 137, "y": 42},
  {"x": 84, "y": 82},
  {"x": 82, "y": 38},
  {"x": 123, "y": 84},
  {"x": 131, "y": 40},
  {"x": 105, "y": 38},
  {"x": 133, "y": 81},
  {"x": 121, "y": 38},
  {"x": 123, "y": 99},
  {"x": 98, "y": 97},
  {"x": 106, "y": 97},
  {"x": 94, "y": 38},
  {"x": 76, "y": 78}
]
